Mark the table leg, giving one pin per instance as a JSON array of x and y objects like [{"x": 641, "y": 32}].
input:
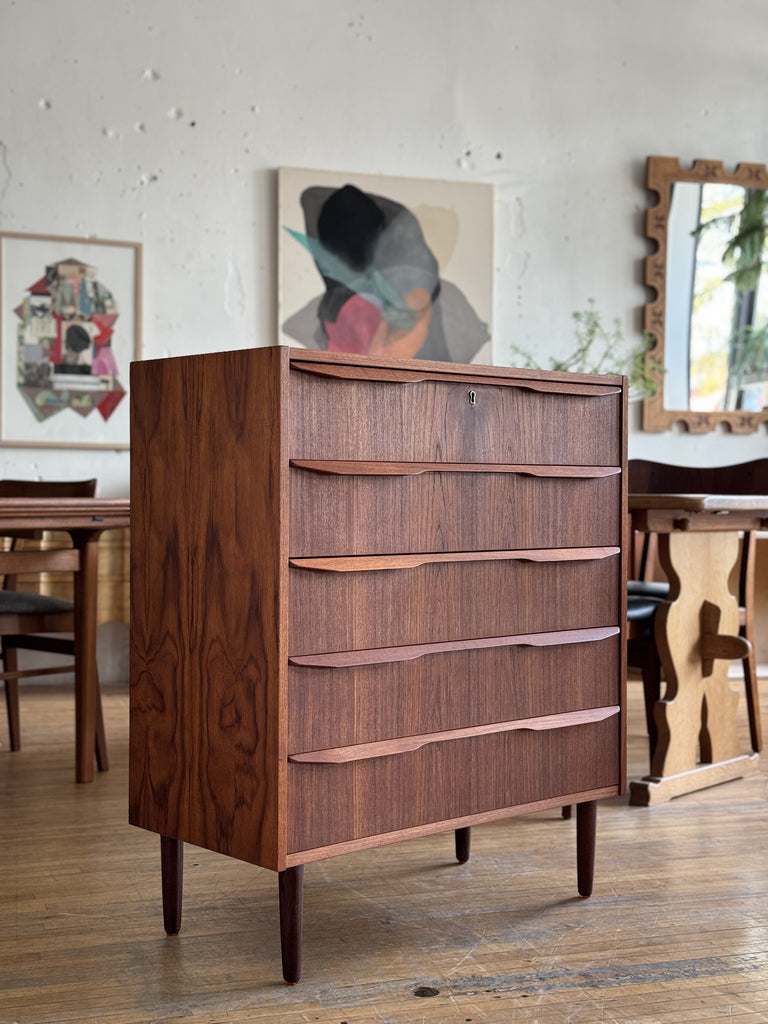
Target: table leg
[
  {"x": 86, "y": 684},
  {"x": 698, "y": 743}
]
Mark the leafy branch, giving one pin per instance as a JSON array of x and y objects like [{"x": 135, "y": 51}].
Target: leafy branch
[{"x": 601, "y": 349}]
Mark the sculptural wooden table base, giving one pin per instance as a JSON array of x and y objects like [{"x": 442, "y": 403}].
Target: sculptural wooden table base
[{"x": 697, "y": 638}]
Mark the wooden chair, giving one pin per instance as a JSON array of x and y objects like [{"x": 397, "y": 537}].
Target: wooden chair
[
  {"x": 25, "y": 616},
  {"x": 643, "y": 655},
  {"x": 646, "y": 477}
]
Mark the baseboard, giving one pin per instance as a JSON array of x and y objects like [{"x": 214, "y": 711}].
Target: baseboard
[{"x": 736, "y": 671}]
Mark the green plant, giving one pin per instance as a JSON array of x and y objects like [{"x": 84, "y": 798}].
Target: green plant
[
  {"x": 600, "y": 349},
  {"x": 745, "y": 251}
]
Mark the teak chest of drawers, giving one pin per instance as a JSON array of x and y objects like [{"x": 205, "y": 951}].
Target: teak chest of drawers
[{"x": 371, "y": 600}]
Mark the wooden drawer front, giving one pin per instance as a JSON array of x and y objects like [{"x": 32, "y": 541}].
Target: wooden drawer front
[
  {"x": 335, "y": 803},
  {"x": 431, "y": 692},
  {"x": 432, "y": 420},
  {"x": 446, "y": 600},
  {"x": 341, "y": 512}
]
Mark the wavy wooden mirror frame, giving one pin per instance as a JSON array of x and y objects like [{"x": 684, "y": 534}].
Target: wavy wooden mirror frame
[{"x": 661, "y": 173}]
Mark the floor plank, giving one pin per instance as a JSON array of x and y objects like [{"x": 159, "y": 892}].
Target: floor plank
[{"x": 676, "y": 932}]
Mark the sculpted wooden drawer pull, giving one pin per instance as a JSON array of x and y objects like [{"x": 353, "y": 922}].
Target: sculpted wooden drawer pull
[
  {"x": 366, "y": 563},
  {"x": 361, "y": 373},
  {"x": 386, "y": 748},
  {"x": 351, "y": 468},
  {"x": 387, "y": 655}
]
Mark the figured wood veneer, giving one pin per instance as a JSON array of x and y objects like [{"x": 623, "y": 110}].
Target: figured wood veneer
[{"x": 207, "y": 558}]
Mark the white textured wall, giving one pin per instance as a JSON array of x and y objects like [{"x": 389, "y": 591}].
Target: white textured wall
[{"x": 164, "y": 123}]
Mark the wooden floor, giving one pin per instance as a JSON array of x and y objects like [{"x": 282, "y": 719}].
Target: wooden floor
[{"x": 676, "y": 932}]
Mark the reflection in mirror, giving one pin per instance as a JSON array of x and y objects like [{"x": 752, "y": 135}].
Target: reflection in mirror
[{"x": 710, "y": 313}]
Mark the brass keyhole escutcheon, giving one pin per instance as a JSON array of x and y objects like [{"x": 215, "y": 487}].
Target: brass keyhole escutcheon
[{"x": 473, "y": 398}]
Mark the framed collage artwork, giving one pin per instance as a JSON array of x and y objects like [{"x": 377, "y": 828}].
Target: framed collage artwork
[{"x": 70, "y": 324}]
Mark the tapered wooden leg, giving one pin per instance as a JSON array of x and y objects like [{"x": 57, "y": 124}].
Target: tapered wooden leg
[
  {"x": 567, "y": 811},
  {"x": 753, "y": 701},
  {"x": 172, "y": 873},
  {"x": 291, "y": 886},
  {"x": 86, "y": 679},
  {"x": 747, "y": 630},
  {"x": 463, "y": 842},
  {"x": 102, "y": 760},
  {"x": 651, "y": 675},
  {"x": 11, "y": 664},
  {"x": 586, "y": 828}
]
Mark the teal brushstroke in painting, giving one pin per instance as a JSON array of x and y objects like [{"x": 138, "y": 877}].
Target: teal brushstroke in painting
[{"x": 372, "y": 284}]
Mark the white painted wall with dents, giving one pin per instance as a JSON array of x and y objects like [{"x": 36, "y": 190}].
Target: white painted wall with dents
[{"x": 164, "y": 123}]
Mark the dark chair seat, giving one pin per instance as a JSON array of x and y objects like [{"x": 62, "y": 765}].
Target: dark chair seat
[
  {"x": 641, "y": 607},
  {"x": 648, "y": 588},
  {"x": 17, "y": 602},
  {"x": 642, "y": 654}
]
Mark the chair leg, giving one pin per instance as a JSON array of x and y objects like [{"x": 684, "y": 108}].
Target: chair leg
[
  {"x": 753, "y": 700},
  {"x": 651, "y": 674},
  {"x": 11, "y": 664},
  {"x": 102, "y": 759},
  {"x": 747, "y": 630}
]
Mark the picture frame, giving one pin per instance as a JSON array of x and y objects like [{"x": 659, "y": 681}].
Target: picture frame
[
  {"x": 70, "y": 325},
  {"x": 382, "y": 265}
]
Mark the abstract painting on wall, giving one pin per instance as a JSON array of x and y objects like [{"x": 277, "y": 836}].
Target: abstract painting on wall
[
  {"x": 377, "y": 265},
  {"x": 70, "y": 327}
]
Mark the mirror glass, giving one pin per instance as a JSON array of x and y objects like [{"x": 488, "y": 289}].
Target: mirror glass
[{"x": 710, "y": 314}]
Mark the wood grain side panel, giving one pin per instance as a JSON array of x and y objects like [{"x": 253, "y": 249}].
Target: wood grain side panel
[
  {"x": 357, "y": 515},
  {"x": 433, "y": 421},
  {"x": 447, "y": 600},
  {"x": 331, "y": 804},
  {"x": 339, "y": 706},
  {"x": 205, "y": 616}
]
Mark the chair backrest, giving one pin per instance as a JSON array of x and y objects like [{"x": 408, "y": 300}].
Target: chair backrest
[
  {"x": 40, "y": 489},
  {"x": 48, "y": 488},
  {"x": 647, "y": 477}
]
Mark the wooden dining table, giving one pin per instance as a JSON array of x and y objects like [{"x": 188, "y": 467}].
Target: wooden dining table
[
  {"x": 84, "y": 519},
  {"x": 697, "y": 635}
]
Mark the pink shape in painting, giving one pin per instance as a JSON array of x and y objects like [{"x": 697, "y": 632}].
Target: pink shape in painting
[{"x": 65, "y": 355}]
